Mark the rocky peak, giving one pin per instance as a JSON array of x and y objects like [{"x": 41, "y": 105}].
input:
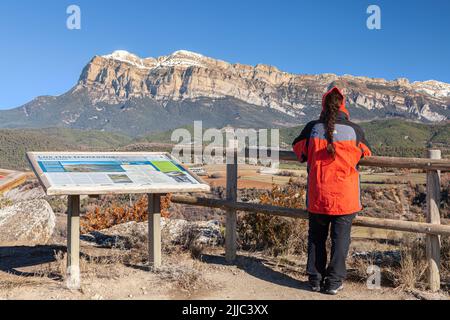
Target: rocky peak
[
  {"x": 178, "y": 58},
  {"x": 433, "y": 88},
  {"x": 120, "y": 76},
  {"x": 124, "y": 56},
  {"x": 402, "y": 82}
]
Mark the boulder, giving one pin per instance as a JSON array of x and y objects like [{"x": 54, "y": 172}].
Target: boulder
[
  {"x": 27, "y": 223},
  {"x": 174, "y": 231},
  {"x": 29, "y": 191},
  {"x": 194, "y": 233}
]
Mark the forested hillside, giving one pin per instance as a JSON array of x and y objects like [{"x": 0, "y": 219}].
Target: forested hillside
[
  {"x": 15, "y": 143},
  {"x": 395, "y": 137},
  {"x": 387, "y": 137}
]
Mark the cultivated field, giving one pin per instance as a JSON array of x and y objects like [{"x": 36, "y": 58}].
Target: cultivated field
[{"x": 251, "y": 176}]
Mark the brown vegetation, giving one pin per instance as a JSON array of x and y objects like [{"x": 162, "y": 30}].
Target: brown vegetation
[
  {"x": 286, "y": 173},
  {"x": 103, "y": 217},
  {"x": 278, "y": 235}
]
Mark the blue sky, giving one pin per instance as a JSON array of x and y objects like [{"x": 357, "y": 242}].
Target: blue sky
[{"x": 40, "y": 56}]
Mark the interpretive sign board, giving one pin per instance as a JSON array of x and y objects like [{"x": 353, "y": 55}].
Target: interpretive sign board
[
  {"x": 69, "y": 173},
  {"x": 88, "y": 173}
]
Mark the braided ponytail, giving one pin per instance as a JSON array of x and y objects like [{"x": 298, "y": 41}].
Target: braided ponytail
[{"x": 332, "y": 103}]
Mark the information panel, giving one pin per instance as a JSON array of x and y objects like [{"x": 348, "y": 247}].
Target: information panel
[{"x": 105, "y": 173}]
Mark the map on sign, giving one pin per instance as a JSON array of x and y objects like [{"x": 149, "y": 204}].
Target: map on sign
[{"x": 100, "y": 173}]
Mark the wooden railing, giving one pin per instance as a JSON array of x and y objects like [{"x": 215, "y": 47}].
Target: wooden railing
[{"x": 433, "y": 229}]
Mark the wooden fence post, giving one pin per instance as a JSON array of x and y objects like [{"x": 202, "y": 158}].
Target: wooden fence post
[
  {"x": 73, "y": 243},
  {"x": 433, "y": 245},
  {"x": 231, "y": 216},
  {"x": 154, "y": 230}
]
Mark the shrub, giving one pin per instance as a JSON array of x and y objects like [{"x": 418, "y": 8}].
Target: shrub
[
  {"x": 277, "y": 235},
  {"x": 286, "y": 173},
  {"x": 100, "y": 217},
  {"x": 445, "y": 260},
  {"x": 412, "y": 272}
]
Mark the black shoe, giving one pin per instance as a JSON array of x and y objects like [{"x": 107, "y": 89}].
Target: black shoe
[
  {"x": 334, "y": 289},
  {"x": 316, "y": 286}
]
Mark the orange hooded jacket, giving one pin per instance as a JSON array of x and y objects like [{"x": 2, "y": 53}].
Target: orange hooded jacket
[{"x": 333, "y": 184}]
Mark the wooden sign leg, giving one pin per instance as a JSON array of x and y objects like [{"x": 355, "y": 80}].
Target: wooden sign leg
[
  {"x": 154, "y": 230},
  {"x": 73, "y": 243}
]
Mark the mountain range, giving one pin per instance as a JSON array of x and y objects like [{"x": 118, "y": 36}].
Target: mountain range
[{"x": 124, "y": 93}]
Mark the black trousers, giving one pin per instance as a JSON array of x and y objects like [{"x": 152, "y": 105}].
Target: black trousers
[{"x": 319, "y": 227}]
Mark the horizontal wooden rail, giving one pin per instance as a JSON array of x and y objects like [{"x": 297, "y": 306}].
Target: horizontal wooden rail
[
  {"x": 375, "y": 161},
  {"x": 386, "y": 162},
  {"x": 390, "y": 224},
  {"x": 408, "y": 163}
]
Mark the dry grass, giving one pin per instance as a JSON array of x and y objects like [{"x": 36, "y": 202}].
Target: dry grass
[
  {"x": 183, "y": 277},
  {"x": 413, "y": 266},
  {"x": 5, "y": 202},
  {"x": 406, "y": 273},
  {"x": 445, "y": 259},
  {"x": 10, "y": 282},
  {"x": 91, "y": 266},
  {"x": 413, "y": 269},
  {"x": 100, "y": 218},
  {"x": 180, "y": 271},
  {"x": 357, "y": 269}
]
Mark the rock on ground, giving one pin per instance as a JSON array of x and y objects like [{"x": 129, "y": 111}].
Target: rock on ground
[
  {"x": 174, "y": 231},
  {"x": 28, "y": 191},
  {"x": 26, "y": 223}
]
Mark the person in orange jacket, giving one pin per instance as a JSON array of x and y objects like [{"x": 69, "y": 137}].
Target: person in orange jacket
[{"x": 332, "y": 147}]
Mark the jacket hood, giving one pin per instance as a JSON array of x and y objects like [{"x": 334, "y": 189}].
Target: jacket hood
[{"x": 342, "y": 108}]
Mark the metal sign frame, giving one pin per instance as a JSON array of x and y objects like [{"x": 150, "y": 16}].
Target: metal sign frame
[{"x": 113, "y": 189}]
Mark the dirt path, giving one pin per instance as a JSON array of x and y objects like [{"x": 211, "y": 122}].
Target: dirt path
[
  {"x": 35, "y": 273},
  {"x": 254, "y": 278}
]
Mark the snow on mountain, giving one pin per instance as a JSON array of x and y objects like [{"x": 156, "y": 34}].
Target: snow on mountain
[
  {"x": 178, "y": 58},
  {"x": 433, "y": 88},
  {"x": 122, "y": 55},
  {"x": 127, "y": 57},
  {"x": 183, "y": 58}
]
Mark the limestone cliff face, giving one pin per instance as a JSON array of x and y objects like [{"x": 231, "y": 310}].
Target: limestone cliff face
[
  {"x": 121, "y": 76},
  {"x": 185, "y": 75}
]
